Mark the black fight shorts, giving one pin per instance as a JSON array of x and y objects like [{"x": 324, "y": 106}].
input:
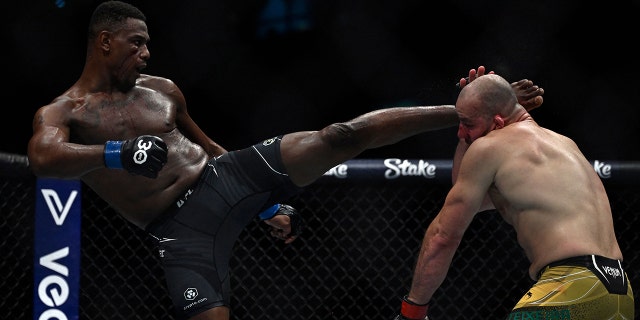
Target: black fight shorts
[{"x": 196, "y": 236}]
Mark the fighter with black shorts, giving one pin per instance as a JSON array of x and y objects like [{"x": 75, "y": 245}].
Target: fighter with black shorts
[{"x": 230, "y": 193}]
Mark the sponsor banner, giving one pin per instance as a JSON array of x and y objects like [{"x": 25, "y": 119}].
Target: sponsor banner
[
  {"x": 617, "y": 172},
  {"x": 393, "y": 169},
  {"x": 56, "y": 271},
  {"x": 439, "y": 170}
]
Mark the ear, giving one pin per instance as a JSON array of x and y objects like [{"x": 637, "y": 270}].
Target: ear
[
  {"x": 104, "y": 39},
  {"x": 498, "y": 121}
]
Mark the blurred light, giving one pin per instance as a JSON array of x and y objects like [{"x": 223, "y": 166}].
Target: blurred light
[{"x": 281, "y": 17}]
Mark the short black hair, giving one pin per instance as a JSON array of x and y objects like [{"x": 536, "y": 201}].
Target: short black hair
[{"x": 110, "y": 14}]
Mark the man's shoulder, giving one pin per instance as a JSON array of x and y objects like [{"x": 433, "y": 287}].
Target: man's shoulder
[
  {"x": 66, "y": 100},
  {"x": 146, "y": 80},
  {"x": 514, "y": 134},
  {"x": 497, "y": 144}
]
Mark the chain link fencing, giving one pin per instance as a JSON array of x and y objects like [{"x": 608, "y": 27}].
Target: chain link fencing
[{"x": 354, "y": 259}]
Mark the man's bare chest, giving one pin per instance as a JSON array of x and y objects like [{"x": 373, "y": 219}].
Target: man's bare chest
[{"x": 101, "y": 118}]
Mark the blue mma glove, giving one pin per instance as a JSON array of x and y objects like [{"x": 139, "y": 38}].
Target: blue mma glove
[{"x": 283, "y": 209}]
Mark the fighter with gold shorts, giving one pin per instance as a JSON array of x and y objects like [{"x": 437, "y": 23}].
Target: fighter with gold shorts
[{"x": 585, "y": 287}]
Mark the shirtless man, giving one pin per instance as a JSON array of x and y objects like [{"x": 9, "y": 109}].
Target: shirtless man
[
  {"x": 129, "y": 137},
  {"x": 541, "y": 184}
]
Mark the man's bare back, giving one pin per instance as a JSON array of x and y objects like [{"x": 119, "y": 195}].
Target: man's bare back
[
  {"x": 547, "y": 190},
  {"x": 550, "y": 194}
]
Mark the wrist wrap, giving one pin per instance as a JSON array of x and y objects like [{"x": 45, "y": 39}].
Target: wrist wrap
[
  {"x": 413, "y": 310},
  {"x": 112, "y": 154},
  {"x": 269, "y": 212}
]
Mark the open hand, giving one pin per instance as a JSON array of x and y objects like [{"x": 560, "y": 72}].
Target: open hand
[
  {"x": 529, "y": 95},
  {"x": 473, "y": 74}
]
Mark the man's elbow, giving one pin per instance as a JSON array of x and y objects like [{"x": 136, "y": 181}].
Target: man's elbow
[
  {"x": 45, "y": 166},
  {"x": 40, "y": 166},
  {"x": 444, "y": 241}
]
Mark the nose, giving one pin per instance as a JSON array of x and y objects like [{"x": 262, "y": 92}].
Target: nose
[{"x": 145, "y": 54}]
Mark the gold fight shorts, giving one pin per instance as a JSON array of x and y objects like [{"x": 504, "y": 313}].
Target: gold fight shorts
[{"x": 585, "y": 287}]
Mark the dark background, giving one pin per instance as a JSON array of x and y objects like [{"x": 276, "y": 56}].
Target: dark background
[{"x": 249, "y": 74}]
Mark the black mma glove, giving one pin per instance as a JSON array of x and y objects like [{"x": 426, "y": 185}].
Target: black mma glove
[
  {"x": 144, "y": 155},
  {"x": 412, "y": 311},
  {"x": 283, "y": 209}
]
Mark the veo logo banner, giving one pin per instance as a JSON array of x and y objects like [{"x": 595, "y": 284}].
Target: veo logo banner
[{"x": 56, "y": 271}]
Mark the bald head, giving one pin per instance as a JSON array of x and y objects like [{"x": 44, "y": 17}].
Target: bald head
[{"x": 489, "y": 95}]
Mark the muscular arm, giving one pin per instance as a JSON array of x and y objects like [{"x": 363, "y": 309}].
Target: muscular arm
[
  {"x": 461, "y": 149},
  {"x": 191, "y": 130},
  {"x": 185, "y": 123},
  {"x": 445, "y": 232},
  {"x": 49, "y": 151}
]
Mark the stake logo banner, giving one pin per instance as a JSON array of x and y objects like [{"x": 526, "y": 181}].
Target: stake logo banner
[{"x": 56, "y": 271}]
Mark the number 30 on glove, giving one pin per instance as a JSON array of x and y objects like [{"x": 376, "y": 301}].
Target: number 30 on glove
[{"x": 144, "y": 155}]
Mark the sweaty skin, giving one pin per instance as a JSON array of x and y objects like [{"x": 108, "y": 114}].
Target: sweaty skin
[
  {"x": 69, "y": 135},
  {"x": 72, "y": 130},
  {"x": 548, "y": 192},
  {"x": 112, "y": 100},
  {"x": 537, "y": 179}
]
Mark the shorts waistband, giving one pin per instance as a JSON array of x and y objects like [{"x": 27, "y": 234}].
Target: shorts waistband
[
  {"x": 609, "y": 271},
  {"x": 578, "y": 261}
]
